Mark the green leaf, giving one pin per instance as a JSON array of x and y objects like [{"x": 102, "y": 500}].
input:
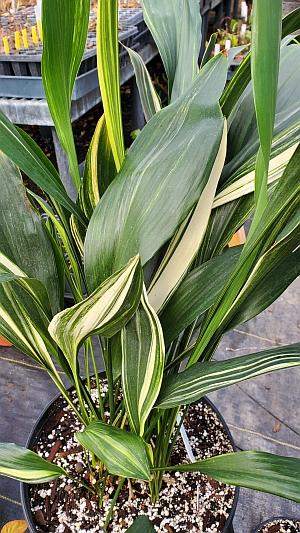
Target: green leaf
[
  {"x": 265, "y": 56},
  {"x": 273, "y": 273},
  {"x": 26, "y": 466},
  {"x": 283, "y": 203},
  {"x": 28, "y": 156},
  {"x": 197, "y": 293},
  {"x": 100, "y": 168},
  {"x": 149, "y": 98},
  {"x": 209, "y": 49},
  {"x": 163, "y": 176},
  {"x": 254, "y": 470},
  {"x": 123, "y": 453},
  {"x": 143, "y": 349},
  {"x": 64, "y": 39},
  {"x": 141, "y": 525},
  {"x": 178, "y": 39},
  {"x": 105, "y": 311},
  {"x": 202, "y": 378},
  {"x": 65, "y": 236},
  {"x": 243, "y": 140},
  {"x": 185, "y": 244},
  {"x": 224, "y": 222},
  {"x": 24, "y": 320},
  {"x": 22, "y": 231},
  {"x": 239, "y": 82},
  {"x": 109, "y": 75}
]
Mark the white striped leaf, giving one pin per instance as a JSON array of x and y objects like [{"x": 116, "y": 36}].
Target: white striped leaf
[
  {"x": 109, "y": 75},
  {"x": 261, "y": 471},
  {"x": 148, "y": 95},
  {"x": 24, "y": 465},
  {"x": 203, "y": 378},
  {"x": 99, "y": 170},
  {"x": 245, "y": 184},
  {"x": 180, "y": 256},
  {"x": 162, "y": 178},
  {"x": 104, "y": 312},
  {"x": 123, "y": 453},
  {"x": 143, "y": 355},
  {"x": 176, "y": 29}
]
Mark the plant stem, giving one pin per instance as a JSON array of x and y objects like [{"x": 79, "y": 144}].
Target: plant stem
[
  {"x": 64, "y": 393},
  {"x": 110, "y": 379},
  {"x": 113, "y": 502},
  {"x": 86, "y": 365}
]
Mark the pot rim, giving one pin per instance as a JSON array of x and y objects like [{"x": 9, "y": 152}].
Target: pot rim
[
  {"x": 36, "y": 430},
  {"x": 274, "y": 519}
]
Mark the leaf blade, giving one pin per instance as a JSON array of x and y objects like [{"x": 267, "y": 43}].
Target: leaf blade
[
  {"x": 122, "y": 452},
  {"x": 26, "y": 466},
  {"x": 202, "y": 378},
  {"x": 142, "y": 348}
]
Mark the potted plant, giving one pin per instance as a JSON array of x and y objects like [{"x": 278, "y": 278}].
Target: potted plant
[
  {"x": 144, "y": 251},
  {"x": 279, "y": 525}
]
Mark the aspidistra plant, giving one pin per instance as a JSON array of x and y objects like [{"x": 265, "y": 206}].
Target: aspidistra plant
[{"x": 144, "y": 247}]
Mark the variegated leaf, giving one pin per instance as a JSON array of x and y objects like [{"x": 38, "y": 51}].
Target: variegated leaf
[
  {"x": 161, "y": 179},
  {"x": 245, "y": 184},
  {"x": 109, "y": 75},
  {"x": 100, "y": 168},
  {"x": 180, "y": 256},
  {"x": 105, "y": 311},
  {"x": 123, "y": 453},
  {"x": 24, "y": 465},
  {"x": 203, "y": 378},
  {"x": 142, "y": 349},
  {"x": 148, "y": 95},
  {"x": 261, "y": 471}
]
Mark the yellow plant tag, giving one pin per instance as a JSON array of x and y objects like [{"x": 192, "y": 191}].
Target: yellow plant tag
[
  {"x": 40, "y": 29},
  {"x": 17, "y": 40},
  {"x": 6, "y": 45},
  {"x": 24, "y": 38},
  {"x": 34, "y": 35}
]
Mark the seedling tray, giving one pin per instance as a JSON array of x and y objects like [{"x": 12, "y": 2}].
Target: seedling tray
[
  {"x": 20, "y": 71},
  {"x": 20, "y": 74}
]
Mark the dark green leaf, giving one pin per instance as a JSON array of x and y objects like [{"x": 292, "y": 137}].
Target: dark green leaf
[
  {"x": 141, "y": 525},
  {"x": 22, "y": 232},
  {"x": 28, "y": 156},
  {"x": 197, "y": 293}
]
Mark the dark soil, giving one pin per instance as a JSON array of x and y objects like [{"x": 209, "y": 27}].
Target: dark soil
[
  {"x": 281, "y": 526},
  {"x": 188, "y": 502}
]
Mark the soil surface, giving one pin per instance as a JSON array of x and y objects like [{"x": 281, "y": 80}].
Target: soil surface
[
  {"x": 281, "y": 526},
  {"x": 189, "y": 502}
]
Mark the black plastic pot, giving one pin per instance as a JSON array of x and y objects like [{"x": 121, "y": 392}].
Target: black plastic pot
[
  {"x": 52, "y": 408},
  {"x": 276, "y": 519}
]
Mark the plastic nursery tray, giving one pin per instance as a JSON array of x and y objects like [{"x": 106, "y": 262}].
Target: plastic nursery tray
[{"x": 20, "y": 72}]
